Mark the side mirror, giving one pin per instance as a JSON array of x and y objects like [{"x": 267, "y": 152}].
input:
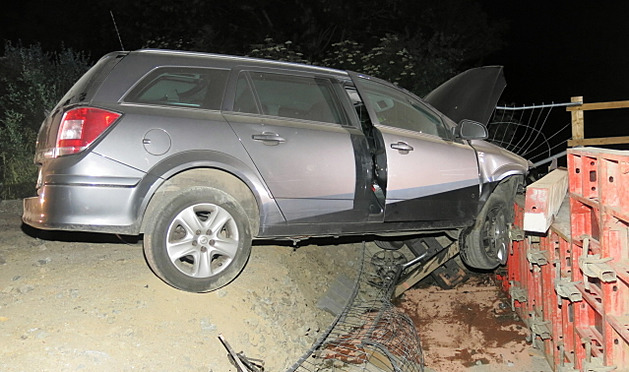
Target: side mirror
[{"x": 470, "y": 130}]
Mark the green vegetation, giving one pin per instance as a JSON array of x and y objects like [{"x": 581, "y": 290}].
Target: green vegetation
[{"x": 31, "y": 82}]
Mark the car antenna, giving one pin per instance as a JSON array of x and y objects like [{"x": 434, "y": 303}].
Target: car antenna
[{"x": 116, "y": 28}]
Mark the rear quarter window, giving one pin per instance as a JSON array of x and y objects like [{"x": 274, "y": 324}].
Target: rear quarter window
[{"x": 184, "y": 87}]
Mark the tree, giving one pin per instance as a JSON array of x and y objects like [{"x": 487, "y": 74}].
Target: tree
[
  {"x": 416, "y": 65},
  {"x": 418, "y": 44},
  {"x": 233, "y": 27}
]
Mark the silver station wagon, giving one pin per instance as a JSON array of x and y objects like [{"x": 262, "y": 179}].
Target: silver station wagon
[{"x": 203, "y": 153}]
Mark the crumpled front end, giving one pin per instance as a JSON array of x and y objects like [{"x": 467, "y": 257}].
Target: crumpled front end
[{"x": 495, "y": 163}]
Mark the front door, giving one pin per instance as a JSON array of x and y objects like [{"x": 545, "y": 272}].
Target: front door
[{"x": 430, "y": 177}]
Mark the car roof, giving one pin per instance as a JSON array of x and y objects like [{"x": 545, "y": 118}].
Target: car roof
[{"x": 242, "y": 61}]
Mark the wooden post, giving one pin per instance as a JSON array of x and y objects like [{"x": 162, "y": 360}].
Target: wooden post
[{"x": 578, "y": 132}]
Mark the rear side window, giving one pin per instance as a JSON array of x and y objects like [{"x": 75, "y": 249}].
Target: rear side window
[
  {"x": 289, "y": 96},
  {"x": 188, "y": 87}
]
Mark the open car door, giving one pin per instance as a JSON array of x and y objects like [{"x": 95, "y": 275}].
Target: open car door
[{"x": 431, "y": 178}]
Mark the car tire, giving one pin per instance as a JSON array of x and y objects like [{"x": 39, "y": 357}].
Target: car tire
[
  {"x": 486, "y": 244},
  {"x": 390, "y": 245},
  {"x": 199, "y": 240}
]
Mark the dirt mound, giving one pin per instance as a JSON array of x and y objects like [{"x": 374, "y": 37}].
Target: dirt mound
[
  {"x": 75, "y": 302},
  {"x": 94, "y": 305}
]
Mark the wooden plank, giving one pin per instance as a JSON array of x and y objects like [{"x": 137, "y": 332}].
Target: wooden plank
[
  {"x": 598, "y": 141},
  {"x": 598, "y": 105},
  {"x": 578, "y": 131},
  {"x": 425, "y": 269}
]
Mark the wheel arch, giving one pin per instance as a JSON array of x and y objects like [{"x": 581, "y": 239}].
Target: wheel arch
[
  {"x": 206, "y": 176},
  {"x": 507, "y": 172},
  {"x": 509, "y": 185},
  {"x": 497, "y": 164}
]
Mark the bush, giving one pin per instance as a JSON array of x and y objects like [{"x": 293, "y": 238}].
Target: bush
[
  {"x": 277, "y": 51},
  {"x": 31, "y": 82},
  {"x": 416, "y": 64}
]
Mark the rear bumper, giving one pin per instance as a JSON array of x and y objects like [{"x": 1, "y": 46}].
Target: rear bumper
[{"x": 89, "y": 208}]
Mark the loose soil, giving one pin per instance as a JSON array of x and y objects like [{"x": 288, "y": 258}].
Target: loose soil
[
  {"x": 471, "y": 327},
  {"x": 89, "y": 302}
]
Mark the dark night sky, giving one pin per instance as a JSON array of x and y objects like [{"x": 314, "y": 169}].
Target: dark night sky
[
  {"x": 560, "y": 49},
  {"x": 555, "y": 49}
]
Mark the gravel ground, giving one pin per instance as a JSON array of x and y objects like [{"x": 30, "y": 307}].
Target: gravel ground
[
  {"x": 89, "y": 302},
  {"x": 86, "y": 302}
]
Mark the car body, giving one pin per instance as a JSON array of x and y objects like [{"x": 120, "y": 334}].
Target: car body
[{"x": 202, "y": 153}]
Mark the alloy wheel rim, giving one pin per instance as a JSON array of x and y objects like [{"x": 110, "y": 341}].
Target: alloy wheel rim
[
  {"x": 496, "y": 235},
  {"x": 202, "y": 240}
]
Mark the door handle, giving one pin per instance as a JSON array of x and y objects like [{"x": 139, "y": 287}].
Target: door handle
[
  {"x": 402, "y": 147},
  {"x": 268, "y": 138}
]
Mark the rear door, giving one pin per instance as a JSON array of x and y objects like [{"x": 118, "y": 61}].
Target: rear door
[
  {"x": 430, "y": 177},
  {"x": 296, "y": 131}
]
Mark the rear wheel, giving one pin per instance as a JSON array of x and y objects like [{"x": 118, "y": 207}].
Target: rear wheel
[{"x": 199, "y": 241}]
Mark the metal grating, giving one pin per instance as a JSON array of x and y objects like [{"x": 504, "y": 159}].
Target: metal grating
[{"x": 370, "y": 334}]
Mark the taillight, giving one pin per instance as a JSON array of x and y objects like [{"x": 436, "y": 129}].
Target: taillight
[{"x": 80, "y": 127}]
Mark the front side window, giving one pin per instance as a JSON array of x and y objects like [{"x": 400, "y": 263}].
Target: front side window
[
  {"x": 189, "y": 87},
  {"x": 397, "y": 109},
  {"x": 287, "y": 96}
]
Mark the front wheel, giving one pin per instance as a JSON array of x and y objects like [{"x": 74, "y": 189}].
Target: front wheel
[
  {"x": 199, "y": 241},
  {"x": 486, "y": 244}
]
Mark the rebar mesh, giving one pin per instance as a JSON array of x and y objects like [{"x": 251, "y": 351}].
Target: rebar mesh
[{"x": 370, "y": 334}]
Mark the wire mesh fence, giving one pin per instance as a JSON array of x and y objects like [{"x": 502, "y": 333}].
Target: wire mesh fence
[
  {"x": 535, "y": 132},
  {"x": 369, "y": 334}
]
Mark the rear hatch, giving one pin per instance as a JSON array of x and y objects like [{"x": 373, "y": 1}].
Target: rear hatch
[{"x": 80, "y": 94}]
